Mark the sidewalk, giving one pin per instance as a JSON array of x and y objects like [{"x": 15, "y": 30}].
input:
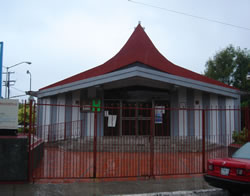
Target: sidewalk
[{"x": 192, "y": 185}]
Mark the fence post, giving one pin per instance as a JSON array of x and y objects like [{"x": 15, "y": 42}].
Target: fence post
[
  {"x": 34, "y": 118},
  {"x": 203, "y": 141},
  {"x": 151, "y": 140},
  {"x": 33, "y": 135},
  {"x": 30, "y": 129},
  {"x": 248, "y": 130},
  {"x": 24, "y": 117},
  {"x": 248, "y": 124},
  {"x": 95, "y": 143},
  {"x": 65, "y": 123}
]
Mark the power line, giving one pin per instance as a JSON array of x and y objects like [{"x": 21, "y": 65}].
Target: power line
[
  {"x": 190, "y": 15},
  {"x": 18, "y": 89},
  {"x": 18, "y": 96}
]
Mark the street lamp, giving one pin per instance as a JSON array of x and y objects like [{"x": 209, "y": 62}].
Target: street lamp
[
  {"x": 27, "y": 62},
  {"x": 28, "y": 72},
  {"x": 7, "y": 84},
  {"x": 31, "y": 98}
]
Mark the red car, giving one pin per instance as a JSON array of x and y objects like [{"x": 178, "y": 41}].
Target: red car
[{"x": 233, "y": 173}]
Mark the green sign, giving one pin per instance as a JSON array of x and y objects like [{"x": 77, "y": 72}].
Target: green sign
[{"x": 96, "y": 105}]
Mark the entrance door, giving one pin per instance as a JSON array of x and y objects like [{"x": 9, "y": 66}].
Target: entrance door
[{"x": 136, "y": 117}]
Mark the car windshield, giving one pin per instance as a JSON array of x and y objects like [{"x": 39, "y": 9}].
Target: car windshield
[{"x": 243, "y": 152}]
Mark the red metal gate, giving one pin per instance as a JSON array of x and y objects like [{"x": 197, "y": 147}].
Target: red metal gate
[{"x": 71, "y": 141}]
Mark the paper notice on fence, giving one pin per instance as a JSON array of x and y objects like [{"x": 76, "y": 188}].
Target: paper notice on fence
[
  {"x": 106, "y": 113},
  {"x": 159, "y": 111},
  {"x": 112, "y": 120}
]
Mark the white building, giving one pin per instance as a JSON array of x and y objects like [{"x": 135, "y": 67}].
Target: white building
[{"x": 138, "y": 76}]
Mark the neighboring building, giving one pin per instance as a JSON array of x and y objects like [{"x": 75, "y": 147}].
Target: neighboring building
[{"x": 139, "y": 76}]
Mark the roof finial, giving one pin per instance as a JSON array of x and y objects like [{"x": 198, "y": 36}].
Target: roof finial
[{"x": 139, "y": 23}]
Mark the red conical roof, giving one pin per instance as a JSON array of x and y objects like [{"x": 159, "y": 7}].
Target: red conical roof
[{"x": 139, "y": 48}]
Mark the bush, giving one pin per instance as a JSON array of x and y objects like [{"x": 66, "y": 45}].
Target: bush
[
  {"x": 240, "y": 137},
  {"x": 21, "y": 129}
]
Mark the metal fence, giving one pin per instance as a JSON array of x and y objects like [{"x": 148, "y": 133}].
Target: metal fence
[{"x": 111, "y": 141}]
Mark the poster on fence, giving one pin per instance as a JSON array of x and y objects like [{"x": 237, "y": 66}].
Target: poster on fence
[
  {"x": 159, "y": 111},
  {"x": 112, "y": 120}
]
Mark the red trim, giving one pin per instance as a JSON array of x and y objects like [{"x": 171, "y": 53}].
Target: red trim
[
  {"x": 139, "y": 48},
  {"x": 13, "y": 137}
]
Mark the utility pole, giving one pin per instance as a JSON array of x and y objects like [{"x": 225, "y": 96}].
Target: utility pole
[{"x": 8, "y": 83}]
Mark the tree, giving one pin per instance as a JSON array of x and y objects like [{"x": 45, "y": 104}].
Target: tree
[
  {"x": 242, "y": 63},
  {"x": 230, "y": 66},
  {"x": 21, "y": 112}
]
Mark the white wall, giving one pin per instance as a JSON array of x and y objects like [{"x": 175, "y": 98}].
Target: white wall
[
  {"x": 46, "y": 118},
  {"x": 213, "y": 127},
  {"x": 60, "y": 116},
  {"x": 230, "y": 117},
  {"x": 198, "y": 113},
  {"x": 76, "y": 114},
  {"x": 182, "y": 116},
  {"x": 182, "y": 113},
  {"x": 214, "y": 114}
]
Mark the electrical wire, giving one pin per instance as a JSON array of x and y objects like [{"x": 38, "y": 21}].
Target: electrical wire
[
  {"x": 190, "y": 15},
  {"x": 18, "y": 89},
  {"x": 18, "y": 96}
]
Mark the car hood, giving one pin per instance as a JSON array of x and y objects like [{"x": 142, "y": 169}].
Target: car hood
[{"x": 231, "y": 162}]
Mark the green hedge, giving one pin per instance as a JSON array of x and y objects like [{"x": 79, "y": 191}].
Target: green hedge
[{"x": 240, "y": 137}]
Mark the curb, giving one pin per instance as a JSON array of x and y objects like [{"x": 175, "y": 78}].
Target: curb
[{"x": 209, "y": 192}]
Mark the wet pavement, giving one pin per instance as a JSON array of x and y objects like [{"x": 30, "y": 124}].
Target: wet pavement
[{"x": 191, "y": 185}]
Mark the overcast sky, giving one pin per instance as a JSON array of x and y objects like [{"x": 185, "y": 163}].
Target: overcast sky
[{"x": 62, "y": 38}]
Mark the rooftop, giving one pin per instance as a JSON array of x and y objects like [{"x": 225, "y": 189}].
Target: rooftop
[{"x": 138, "y": 48}]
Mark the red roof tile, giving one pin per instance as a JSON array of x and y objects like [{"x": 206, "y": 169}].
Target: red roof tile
[{"x": 139, "y": 48}]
